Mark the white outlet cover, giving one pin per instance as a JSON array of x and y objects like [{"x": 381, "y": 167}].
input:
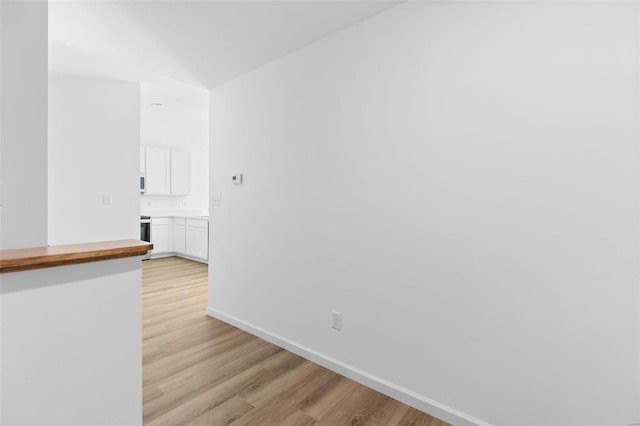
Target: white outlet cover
[
  {"x": 336, "y": 320},
  {"x": 216, "y": 200}
]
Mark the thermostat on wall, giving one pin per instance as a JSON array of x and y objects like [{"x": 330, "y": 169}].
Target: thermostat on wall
[{"x": 237, "y": 179}]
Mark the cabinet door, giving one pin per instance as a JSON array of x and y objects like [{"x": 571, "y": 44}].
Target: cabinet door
[
  {"x": 179, "y": 237},
  {"x": 179, "y": 173},
  {"x": 197, "y": 242},
  {"x": 160, "y": 238},
  {"x": 157, "y": 167}
]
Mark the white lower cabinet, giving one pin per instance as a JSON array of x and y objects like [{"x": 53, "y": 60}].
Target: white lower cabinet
[
  {"x": 179, "y": 242},
  {"x": 188, "y": 237},
  {"x": 197, "y": 238},
  {"x": 160, "y": 235}
]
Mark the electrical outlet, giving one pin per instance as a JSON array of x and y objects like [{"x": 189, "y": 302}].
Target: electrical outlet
[
  {"x": 336, "y": 320},
  {"x": 216, "y": 200},
  {"x": 106, "y": 199}
]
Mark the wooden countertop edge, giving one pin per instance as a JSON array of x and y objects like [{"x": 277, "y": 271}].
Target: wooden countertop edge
[{"x": 47, "y": 257}]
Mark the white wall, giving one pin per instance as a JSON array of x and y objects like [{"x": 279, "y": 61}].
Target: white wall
[
  {"x": 182, "y": 123},
  {"x": 94, "y": 139},
  {"x": 23, "y": 127},
  {"x": 72, "y": 345},
  {"x": 23, "y": 124},
  {"x": 71, "y": 336},
  {"x": 459, "y": 180}
]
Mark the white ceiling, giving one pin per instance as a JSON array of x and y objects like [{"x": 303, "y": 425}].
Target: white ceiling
[
  {"x": 204, "y": 43},
  {"x": 168, "y": 99}
]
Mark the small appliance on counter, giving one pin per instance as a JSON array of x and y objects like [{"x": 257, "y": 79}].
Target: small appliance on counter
[{"x": 143, "y": 184}]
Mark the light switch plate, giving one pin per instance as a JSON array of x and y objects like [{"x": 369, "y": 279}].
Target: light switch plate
[{"x": 336, "y": 320}]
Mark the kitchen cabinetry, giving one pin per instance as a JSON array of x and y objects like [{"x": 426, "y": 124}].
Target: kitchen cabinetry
[
  {"x": 167, "y": 171},
  {"x": 179, "y": 235},
  {"x": 179, "y": 173},
  {"x": 160, "y": 235},
  {"x": 183, "y": 236},
  {"x": 157, "y": 170},
  {"x": 197, "y": 238}
]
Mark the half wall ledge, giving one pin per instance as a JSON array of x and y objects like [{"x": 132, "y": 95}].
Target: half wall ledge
[{"x": 48, "y": 257}]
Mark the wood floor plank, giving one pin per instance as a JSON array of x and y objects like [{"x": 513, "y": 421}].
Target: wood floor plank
[
  {"x": 354, "y": 409},
  {"x": 183, "y": 388},
  {"x": 329, "y": 397},
  {"x": 279, "y": 407},
  {"x": 415, "y": 417},
  {"x": 150, "y": 393},
  {"x": 196, "y": 407},
  {"x": 223, "y": 367},
  {"x": 198, "y": 370},
  {"x": 298, "y": 418},
  {"x": 226, "y": 413},
  {"x": 174, "y": 363}
]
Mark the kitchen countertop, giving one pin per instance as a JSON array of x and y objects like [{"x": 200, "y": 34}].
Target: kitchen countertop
[{"x": 186, "y": 216}]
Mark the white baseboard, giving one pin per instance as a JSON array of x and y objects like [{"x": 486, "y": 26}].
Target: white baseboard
[
  {"x": 175, "y": 254},
  {"x": 406, "y": 396}
]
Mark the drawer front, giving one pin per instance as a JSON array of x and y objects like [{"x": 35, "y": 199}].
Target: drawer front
[
  {"x": 180, "y": 221},
  {"x": 198, "y": 223},
  {"x": 159, "y": 220}
]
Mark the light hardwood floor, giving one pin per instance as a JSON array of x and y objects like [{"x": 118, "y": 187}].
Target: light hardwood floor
[{"x": 201, "y": 371}]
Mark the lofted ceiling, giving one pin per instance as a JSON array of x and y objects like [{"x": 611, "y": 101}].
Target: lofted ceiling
[{"x": 204, "y": 43}]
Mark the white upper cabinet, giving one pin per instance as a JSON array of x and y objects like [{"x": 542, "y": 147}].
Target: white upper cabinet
[
  {"x": 158, "y": 162},
  {"x": 167, "y": 171},
  {"x": 179, "y": 173}
]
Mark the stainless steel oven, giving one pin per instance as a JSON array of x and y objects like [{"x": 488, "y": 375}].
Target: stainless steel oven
[{"x": 145, "y": 232}]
